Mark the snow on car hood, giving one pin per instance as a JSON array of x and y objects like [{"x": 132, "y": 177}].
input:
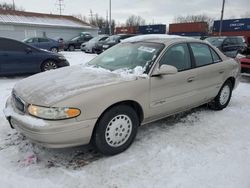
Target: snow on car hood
[{"x": 51, "y": 87}]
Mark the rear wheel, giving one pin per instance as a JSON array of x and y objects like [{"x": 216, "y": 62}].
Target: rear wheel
[
  {"x": 223, "y": 98},
  {"x": 71, "y": 48},
  {"x": 116, "y": 130},
  {"x": 49, "y": 65},
  {"x": 54, "y": 49}
]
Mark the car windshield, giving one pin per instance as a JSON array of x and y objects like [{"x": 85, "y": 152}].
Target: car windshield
[
  {"x": 128, "y": 56},
  {"x": 113, "y": 38},
  {"x": 96, "y": 39},
  {"x": 215, "y": 41},
  {"x": 76, "y": 38}
]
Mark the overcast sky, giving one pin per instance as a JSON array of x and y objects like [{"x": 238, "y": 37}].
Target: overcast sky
[{"x": 157, "y": 11}]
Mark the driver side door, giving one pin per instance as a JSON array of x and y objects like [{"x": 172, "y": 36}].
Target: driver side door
[{"x": 174, "y": 92}]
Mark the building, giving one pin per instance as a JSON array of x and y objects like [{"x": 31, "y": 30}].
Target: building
[{"x": 20, "y": 25}]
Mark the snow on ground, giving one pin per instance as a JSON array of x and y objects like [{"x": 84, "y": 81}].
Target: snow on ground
[
  {"x": 199, "y": 148},
  {"x": 78, "y": 57}
]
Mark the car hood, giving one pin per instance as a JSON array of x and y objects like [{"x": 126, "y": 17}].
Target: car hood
[{"x": 49, "y": 88}]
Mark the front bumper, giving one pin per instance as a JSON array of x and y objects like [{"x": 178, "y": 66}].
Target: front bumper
[
  {"x": 63, "y": 63},
  {"x": 51, "y": 134}
]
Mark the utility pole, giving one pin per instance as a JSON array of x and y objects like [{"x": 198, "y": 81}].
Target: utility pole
[
  {"x": 60, "y": 5},
  {"x": 91, "y": 15},
  {"x": 110, "y": 20},
  {"x": 221, "y": 18},
  {"x": 14, "y": 6}
]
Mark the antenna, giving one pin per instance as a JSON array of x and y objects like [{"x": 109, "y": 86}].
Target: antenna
[{"x": 60, "y": 4}]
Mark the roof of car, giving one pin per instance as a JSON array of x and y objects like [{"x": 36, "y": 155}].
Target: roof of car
[{"x": 166, "y": 40}]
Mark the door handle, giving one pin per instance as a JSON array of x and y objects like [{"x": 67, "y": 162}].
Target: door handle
[
  {"x": 221, "y": 71},
  {"x": 191, "y": 79}
]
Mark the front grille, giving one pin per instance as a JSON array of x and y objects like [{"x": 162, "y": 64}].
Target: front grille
[{"x": 19, "y": 104}]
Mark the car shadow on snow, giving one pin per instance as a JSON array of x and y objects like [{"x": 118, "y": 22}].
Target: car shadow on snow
[{"x": 78, "y": 157}]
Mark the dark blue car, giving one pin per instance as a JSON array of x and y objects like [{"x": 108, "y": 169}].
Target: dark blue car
[
  {"x": 44, "y": 43},
  {"x": 19, "y": 58},
  {"x": 229, "y": 45}
]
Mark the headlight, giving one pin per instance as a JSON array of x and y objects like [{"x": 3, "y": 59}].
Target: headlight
[
  {"x": 61, "y": 58},
  {"x": 53, "y": 113}
]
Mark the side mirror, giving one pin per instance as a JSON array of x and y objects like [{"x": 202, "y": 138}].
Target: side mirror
[{"x": 166, "y": 70}]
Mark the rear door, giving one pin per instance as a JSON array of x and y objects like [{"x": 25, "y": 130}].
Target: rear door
[
  {"x": 210, "y": 70},
  {"x": 44, "y": 43},
  {"x": 173, "y": 93}
]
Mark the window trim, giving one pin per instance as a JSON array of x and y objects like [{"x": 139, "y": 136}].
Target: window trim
[
  {"x": 210, "y": 48},
  {"x": 169, "y": 47}
]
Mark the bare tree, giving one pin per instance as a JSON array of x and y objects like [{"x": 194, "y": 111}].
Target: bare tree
[
  {"x": 81, "y": 17},
  {"x": 7, "y": 6},
  {"x": 134, "y": 20}
]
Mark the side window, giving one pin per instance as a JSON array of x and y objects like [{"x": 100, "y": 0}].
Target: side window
[
  {"x": 9, "y": 45},
  {"x": 216, "y": 57},
  {"x": 234, "y": 41},
  {"x": 230, "y": 41},
  {"x": 240, "y": 40},
  {"x": 202, "y": 54},
  {"x": 103, "y": 39},
  {"x": 30, "y": 40},
  {"x": 43, "y": 40},
  {"x": 177, "y": 56},
  {"x": 35, "y": 40}
]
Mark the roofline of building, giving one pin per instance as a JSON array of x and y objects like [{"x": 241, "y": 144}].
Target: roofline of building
[
  {"x": 35, "y": 14},
  {"x": 48, "y": 26}
]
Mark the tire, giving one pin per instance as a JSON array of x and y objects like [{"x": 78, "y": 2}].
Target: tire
[
  {"x": 223, "y": 98},
  {"x": 54, "y": 49},
  {"x": 116, "y": 130},
  {"x": 71, "y": 48},
  {"x": 49, "y": 65}
]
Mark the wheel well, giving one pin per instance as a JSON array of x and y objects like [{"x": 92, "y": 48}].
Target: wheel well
[
  {"x": 136, "y": 106},
  {"x": 232, "y": 80}
]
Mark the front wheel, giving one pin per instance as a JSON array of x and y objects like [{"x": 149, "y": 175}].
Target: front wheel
[
  {"x": 116, "y": 130},
  {"x": 223, "y": 98},
  {"x": 49, "y": 65}
]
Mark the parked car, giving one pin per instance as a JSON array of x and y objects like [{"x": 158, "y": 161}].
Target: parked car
[
  {"x": 229, "y": 45},
  {"x": 44, "y": 43},
  {"x": 129, "y": 85},
  {"x": 19, "y": 58},
  {"x": 90, "y": 46},
  {"x": 244, "y": 59},
  {"x": 76, "y": 42},
  {"x": 111, "y": 41},
  {"x": 60, "y": 41}
]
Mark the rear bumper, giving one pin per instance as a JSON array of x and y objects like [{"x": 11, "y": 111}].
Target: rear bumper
[{"x": 51, "y": 134}]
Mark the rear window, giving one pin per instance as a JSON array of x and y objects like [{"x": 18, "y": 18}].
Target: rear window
[{"x": 202, "y": 54}]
